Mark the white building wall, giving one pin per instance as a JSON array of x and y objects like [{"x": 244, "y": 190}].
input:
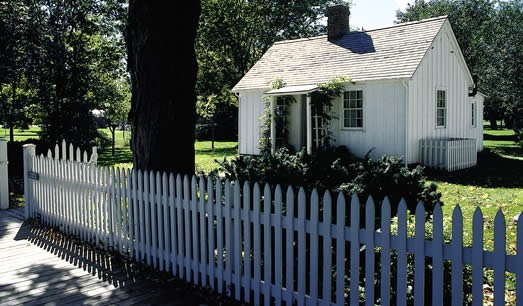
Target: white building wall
[
  {"x": 250, "y": 109},
  {"x": 441, "y": 68},
  {"x": 296, "y": 123},
  {"x": 383, "y": 123}
]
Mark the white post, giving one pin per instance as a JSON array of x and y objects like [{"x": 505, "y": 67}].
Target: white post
[
  {"x": 309, "y": 125},
  {"x": 29, "y": 153},
  {"x": 4, "y": 178},
  {"x": 273, "y": 126}
]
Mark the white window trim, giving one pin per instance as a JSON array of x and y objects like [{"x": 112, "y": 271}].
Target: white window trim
[
  {"x": 342, "y": 110},
  {"x": 436, "y": 107},
  {"x": 474, "y": 113}
]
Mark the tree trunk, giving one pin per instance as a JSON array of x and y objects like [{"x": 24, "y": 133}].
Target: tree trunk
[
  {"x": 11, "y": 133},
  {"x": 493, "y": 123},
  {"x": 162, "y": 62},
  {"x": 113, "y": 130}
]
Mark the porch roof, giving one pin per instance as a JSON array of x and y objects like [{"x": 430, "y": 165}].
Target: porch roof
[{"x": 292, "y": 90}]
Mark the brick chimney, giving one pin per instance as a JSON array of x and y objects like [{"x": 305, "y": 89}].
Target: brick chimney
[{"x": 338, "y": 21}]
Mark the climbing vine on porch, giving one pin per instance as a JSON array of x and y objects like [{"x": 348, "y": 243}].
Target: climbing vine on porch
[
  {"x": 280, "y": 117},
  {"x": 321, "y": 106}
]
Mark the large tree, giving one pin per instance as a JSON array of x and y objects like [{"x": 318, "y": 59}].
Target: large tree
[{"x": 162, "y": 63}]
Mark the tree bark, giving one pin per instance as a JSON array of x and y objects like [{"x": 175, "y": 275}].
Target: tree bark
[{"x": 162, "y": 63}]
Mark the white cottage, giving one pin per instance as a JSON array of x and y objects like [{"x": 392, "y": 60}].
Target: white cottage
[{"x": 411, "y": 93}]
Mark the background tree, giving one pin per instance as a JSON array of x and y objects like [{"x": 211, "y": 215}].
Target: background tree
[
  {"x": 15, "y": 92},
  {"x": 116, "y": 104},
  {"x": 162, "y": 62},
  {"x": 489, "y": 35},
  {"x": 71, "y": 45},
  {"x": 234, "y": 34}
]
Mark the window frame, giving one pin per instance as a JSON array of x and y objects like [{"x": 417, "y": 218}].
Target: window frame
[
  {"x": 474, "y": 117},
  {"x": 438, "y": 108},
  {"x": 343, "y": 109}
]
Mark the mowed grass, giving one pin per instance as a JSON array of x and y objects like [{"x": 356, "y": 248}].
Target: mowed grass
[
  {"x": 495, "y": 184},
  {"x": 21, "y": 134}
]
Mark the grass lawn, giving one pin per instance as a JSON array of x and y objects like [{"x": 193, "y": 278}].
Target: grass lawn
[
  {"x": 496, "y": 183},
  {"x": 21, "y": 135}
]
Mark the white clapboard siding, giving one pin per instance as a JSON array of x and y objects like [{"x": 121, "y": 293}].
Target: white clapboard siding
[{"x": 269, "y": 246}]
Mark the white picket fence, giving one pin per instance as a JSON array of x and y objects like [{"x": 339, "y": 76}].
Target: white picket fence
[
  {"x": 449, "y": 154},
  {"x": 4, "y": 178},
  {"x": 267, "y": 246}
]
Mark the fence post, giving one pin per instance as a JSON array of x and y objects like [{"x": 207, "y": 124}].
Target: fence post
[
  {"x": 29, "y": 153},
  {"x": 4, "y": 178}
]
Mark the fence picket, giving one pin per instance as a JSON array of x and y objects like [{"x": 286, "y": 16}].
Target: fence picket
[
  {"x": 237, "y": 254},
  {"x": 277, "y": 292},
  {"x": 437, "y": 256},
  {"x": 146, "y": 204},
  {"x": 256, "y": 239},
  {"x": 228, "y": 236},
  {"x": 401, "y": 285},
  {"x": 165, "y": 228},
  {"x": 247, "y": 242},
  {"x": 519, "y": 261},
  {"x": 153, "y": 255},
  {"x": 267, "y": 260},
  {"x": 136, "y": 221},
  {"x": 499, "y": 253},
  {"x": 187, "y": 227},
  {"x": 327, "y": 249},
  {"x": 180, "y": 232},
  {"x": 477, "y": 258},
  {"x": 457, "y": 257},
  {"x": 289, "y": 253},
  {"x": 172, "y": 218},
  {"x": 300, "y": 227},
  {"x": 130, "y": 214},
  {"x": 219, "y": 235},
  {"x": 160, "y": 219},
  {"x": 419, "y": 256},
  {"x": 141, "y": 217},
  {"x": 369, "y": 251},
  {"x": 354, "y": 250},
  {"x": 210, "y": 225},
  {"x": 385, "y": 252},
  {"x": 340, "y": 250},
  {"x": 194, "y": 231},
  {"x": 313, "y": 240},
  {"x": 203, "y": 236}
]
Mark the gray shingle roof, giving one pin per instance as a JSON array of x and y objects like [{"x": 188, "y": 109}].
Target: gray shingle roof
[{"x": 389, "y": 53}]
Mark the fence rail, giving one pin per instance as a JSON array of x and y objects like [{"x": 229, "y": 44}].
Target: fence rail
[
  {"x": 449, "y": 154},
  {"x": 270, "y": 246}
]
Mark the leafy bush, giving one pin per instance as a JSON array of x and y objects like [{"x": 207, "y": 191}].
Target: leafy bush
[{"x": 337, "y": 170}]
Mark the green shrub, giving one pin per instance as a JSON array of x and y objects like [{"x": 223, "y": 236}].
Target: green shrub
[{"x": 337, "y": 170}]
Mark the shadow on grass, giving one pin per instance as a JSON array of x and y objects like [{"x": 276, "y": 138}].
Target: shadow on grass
[
  {"x": 498, "y": 137},
  {"x": 492, "y": 171},
  {"x": 121, "y": 155},
  {"x": 216, "y": 151}
]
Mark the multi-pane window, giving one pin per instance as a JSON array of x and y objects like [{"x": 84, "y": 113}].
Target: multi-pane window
[
  {"x": 473, "y": 109},
  {"x": 441, "y": 108},
  {"x": 353, "y": 109}
]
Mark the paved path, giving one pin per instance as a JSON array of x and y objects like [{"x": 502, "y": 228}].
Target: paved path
[{"x": 39, "y": 266}]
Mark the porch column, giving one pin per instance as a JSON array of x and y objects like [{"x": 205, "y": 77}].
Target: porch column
[
  {"x": 273, "y": 126},
  {"x": 309, "y": 125},
  {"x": 4, "y": 189}
]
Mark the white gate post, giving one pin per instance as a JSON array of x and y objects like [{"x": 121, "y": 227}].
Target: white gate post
[
  {"x": 4, "y": 178},
  {"x": 29, "y": 153}
]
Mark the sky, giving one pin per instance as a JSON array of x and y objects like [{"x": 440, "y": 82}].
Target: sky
[{"x": 375, "y": 14}]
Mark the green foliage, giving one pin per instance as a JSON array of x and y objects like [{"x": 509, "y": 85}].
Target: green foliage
[
  {"x": 321, "y": 104},
  {"x": 336, "y": 170},
  {"x": 280, "y": 112},
  {"x": 58, "y": 62},
  {"x": 233, "y": 35}
]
